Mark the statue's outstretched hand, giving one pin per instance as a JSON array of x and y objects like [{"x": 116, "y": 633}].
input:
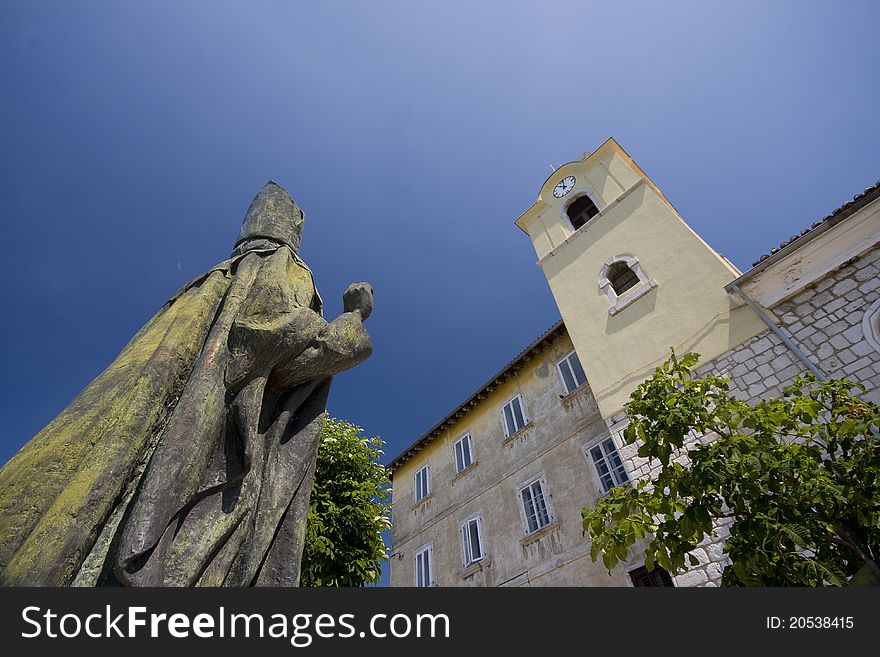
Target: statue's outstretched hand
[
  {"x": 338, "y": 346},
  {"x": 358, "y": 298}
]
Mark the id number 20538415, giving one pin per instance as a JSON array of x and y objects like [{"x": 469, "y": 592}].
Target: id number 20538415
[{"x": 810, "y": 623}]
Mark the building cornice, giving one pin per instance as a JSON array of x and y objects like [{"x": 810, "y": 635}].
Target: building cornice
[
  {"x": 809, "y": 234},
  {"x": 503, "y": 375}
]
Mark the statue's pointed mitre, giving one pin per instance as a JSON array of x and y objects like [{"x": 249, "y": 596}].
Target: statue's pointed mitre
[{"x": 272, "y": 216}]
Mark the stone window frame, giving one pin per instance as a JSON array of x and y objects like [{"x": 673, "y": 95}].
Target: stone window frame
[
  {"x": 615, "y": 436},
  {"x": 427, "y": 470},
  {"x": 559, "y": 363},
  {"x": 545, "y": 492},
  {"x": 525, "y": 415},
  {"x": 428, "y": 550},
  {"x": 645, "y": 284},
  {"x": 573, "y": 196},
  {"x": 470, "y": 444},
  {"x": 871, "y": 325},
  {"x": 465, "y": 544}
]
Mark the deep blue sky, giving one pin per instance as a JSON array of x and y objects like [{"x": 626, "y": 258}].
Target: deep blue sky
[{"x": 134, "y": 135}]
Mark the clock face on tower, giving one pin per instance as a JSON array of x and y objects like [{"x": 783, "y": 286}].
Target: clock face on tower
[{"x": 563, "y": 187}]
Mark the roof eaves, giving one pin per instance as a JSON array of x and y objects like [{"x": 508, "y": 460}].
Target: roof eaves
[
  {"x": 493, "y": 382},
  {"x": 796, "y": 241}
]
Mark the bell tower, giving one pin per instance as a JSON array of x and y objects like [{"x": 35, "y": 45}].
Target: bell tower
[{"x": 630, "y": 277}]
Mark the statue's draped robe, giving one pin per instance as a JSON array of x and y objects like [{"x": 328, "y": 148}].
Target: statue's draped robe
[{"x": 189, "y": 460}]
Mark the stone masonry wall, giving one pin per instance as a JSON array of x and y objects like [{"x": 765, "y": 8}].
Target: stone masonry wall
[{"x": 825, "y": 320}]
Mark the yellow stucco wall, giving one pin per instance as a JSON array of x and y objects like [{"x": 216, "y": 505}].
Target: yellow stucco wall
[{"x": 688, "y": 309}]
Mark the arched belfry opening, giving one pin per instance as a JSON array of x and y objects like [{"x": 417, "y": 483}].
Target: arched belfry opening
[
  {"x": 581, "y": 210},
  {"x": 623, "y": 280},
  {"x": 622, "y": 277}
]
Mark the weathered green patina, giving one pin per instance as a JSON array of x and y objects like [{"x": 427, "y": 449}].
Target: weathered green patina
[{"x": 189, "y": 460}]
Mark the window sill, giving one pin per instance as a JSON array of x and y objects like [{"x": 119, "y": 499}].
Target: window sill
[
  {"x": 539, "y": 533},
  {"x": 574, "y": 394},
  {"x": 421, "y": 502},
  {"x": 470, "y": 468},
  {"x": 632, "y": 295},
  {"x": 625, "y": 486},
  {"x": 477, "y": 566},
  {"x": 593, "y": 221},
  {"x": 518, "y": 434}
]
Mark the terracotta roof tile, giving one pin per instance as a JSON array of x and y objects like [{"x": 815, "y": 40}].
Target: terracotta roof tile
[{"x": 858, "y": 199}]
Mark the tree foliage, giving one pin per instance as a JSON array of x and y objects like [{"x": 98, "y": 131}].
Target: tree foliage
[
  {"x": 799, "y": 477},
  {"x": 349, "y": 509}
]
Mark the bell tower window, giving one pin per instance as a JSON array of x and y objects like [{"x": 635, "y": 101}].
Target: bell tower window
[
  {"x": 581, "y": 210},
  {"x": 623, "y": 280},
  {"x": 622, "y": 277}
]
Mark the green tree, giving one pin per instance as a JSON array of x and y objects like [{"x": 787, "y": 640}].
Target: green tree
[
  {"x": 349, "y": 509},
  {"x": 799, "y": 477}
]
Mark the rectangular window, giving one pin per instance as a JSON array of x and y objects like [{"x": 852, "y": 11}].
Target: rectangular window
[
  {"x": 535, "y": 506},
  {"x": 472, "y": 541},
  {"x": 572, "y": 373},
  {"x": 608, "y": 464},
  {"x": 514, "y": 416},
  {"x": 424, "y": 574},
  {"x": 462, "y": 450},
  {"x": 657, "y": 577},
  {"x": 422, "y": 483}
]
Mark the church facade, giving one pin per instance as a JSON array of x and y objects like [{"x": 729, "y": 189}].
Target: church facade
[{"x": 491, "y": 495}]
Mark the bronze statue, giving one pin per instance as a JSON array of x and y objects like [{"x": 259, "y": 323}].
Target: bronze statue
[{"x": 189, "y": 460}]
